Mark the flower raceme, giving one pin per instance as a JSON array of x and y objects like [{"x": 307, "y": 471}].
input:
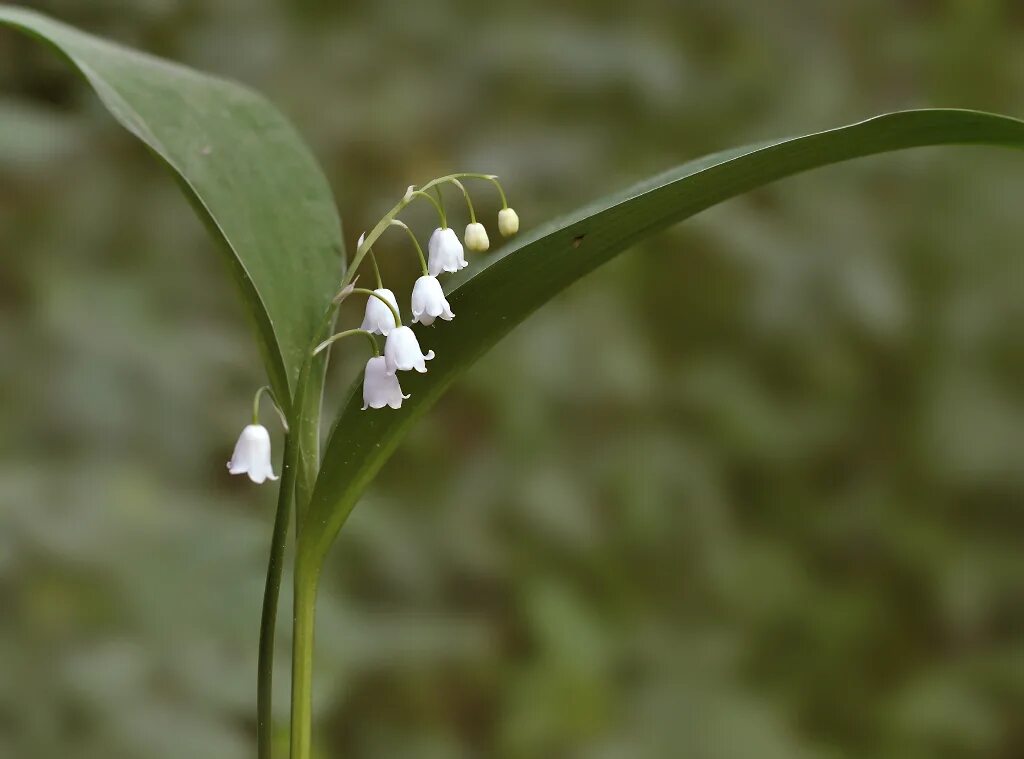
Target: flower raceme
[{"x": 402, "y": 352}]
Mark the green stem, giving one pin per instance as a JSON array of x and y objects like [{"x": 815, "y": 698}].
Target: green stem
[
  {"x": 306, "y": 581},
  {"x": 306, "y": 413},
  {"x": 412, "y": 236},
  {"x": 494, "y": 180},
  {"x": 302, "y": 459},
  {"x": 348, "y": 333},
  {"x": 376, "y": 271},
  {"x": 465, "y": 194},
  {"x": 256, "y": 403},
  {"x": 271, "y": 594},
  {"x": 277, "y": 407},
  {"x": 438, "y": 205}
]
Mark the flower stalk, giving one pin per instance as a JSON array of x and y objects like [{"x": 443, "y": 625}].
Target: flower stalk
[
  {"x": 348, "y": 333},
  {"x": 381, "y": 389},
  {"x": 277, "y": 406},
  {"x": 412, "y": 236},
  {"x": 376, "y": 271},
  {"x": 304, "y": 620},
  {"x": 271, "y": 597},
  {"x": 469, "y": 200}
]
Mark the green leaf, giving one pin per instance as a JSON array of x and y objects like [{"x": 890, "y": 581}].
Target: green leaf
[
  {"x": 494, "y": 296},
  {"x": 245, "y": 170}
]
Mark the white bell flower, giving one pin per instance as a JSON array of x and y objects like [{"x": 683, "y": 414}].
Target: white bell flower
[
  {"x": 402, "y": 352},
  {"x": 476, "y": 237},
  {"x": 508, "y": 222},
  {"x": 381, "y": 389},
  {"x": 445, "y": 252},
  {"x": 428, "y": 301},
  {"x": 252, "y": 455},
  {"x": 378, "y": 318}
]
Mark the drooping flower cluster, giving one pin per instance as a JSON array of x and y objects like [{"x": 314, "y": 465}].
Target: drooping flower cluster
[
  {"x": 445, "y": 253},
  {"x": 402, "y": 352}
]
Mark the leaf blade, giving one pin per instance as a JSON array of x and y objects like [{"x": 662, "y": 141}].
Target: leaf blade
[
  {"x": 490, "y": 300},
  {"x": 243, "y": 167}
]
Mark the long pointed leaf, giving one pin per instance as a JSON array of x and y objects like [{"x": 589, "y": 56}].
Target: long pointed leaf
[
  {"x": 244, "y": 168},
  {"x": 498, "y": 295}
]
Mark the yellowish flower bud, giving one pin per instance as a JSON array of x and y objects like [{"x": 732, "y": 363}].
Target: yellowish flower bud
[
  {"x": 508, "y": 222},
  {"x": 476, "y": 237}
]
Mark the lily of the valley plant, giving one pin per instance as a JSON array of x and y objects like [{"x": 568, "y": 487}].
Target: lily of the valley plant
[
  {"x": 381, "y": 386},
  {"x": 270, "y": 209}
]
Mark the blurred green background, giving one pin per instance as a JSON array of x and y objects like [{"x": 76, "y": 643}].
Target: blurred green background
[{"x": 755, "y": 489}]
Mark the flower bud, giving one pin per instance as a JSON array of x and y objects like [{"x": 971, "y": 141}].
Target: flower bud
[
  {"x": 508, "y": 222},
  {"x": 476, "y": 237}
]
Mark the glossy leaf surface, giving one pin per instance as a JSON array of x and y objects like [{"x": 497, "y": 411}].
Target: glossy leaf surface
[{"x": 244, "y": 168}]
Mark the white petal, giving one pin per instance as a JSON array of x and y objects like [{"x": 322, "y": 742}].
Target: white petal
[
  {"x": 378, "y": 319},
  {"x": 252, "y": 454},
  {"x": 446, "y": 253},
  {"x": 428, "y": 301},
  {"x": 435, "y": 264},
  {"x": 402, "y": 351},
  {"x": 380, "y": 389},
  {"x": 396, "y": 401}
]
